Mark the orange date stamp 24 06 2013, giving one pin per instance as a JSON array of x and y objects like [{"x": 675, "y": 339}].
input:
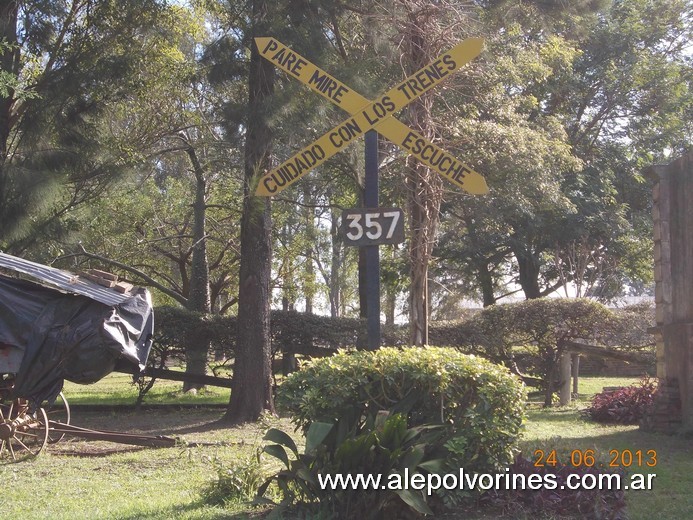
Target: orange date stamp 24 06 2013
[{"x": 590, "y": 458}]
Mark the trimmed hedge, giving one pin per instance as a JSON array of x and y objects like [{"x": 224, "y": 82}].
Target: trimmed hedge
[
  {"x": 490, "y": 332},
  {"x": 480, "y": 403},
  {"x": 530, "y": 336},
  {"x": 291, "y": 331}
]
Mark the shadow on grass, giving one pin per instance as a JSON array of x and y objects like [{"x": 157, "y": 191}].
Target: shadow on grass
[
  {"x": 196, "y": 510},
  {"x": 670, "y": 457}
]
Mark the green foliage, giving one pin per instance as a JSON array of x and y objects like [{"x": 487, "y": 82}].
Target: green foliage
[
  {"x": 297, "y": 332},
  {"x": 382, "y": 446},
  {"x": 630, "y": 330},
  {"x": 66, "y": 68},
  {"x": 540, "y": 327},
  {"x": 176, "y": 326},
  {"x": 530, "y": 336},
  {"x": 562, "y": 122},
  {"x": 294, "y": 332},
  {"x": 543, "y": 323},
  {"x": 238, "y": 482},
  {"x": 527, "y": 337},
  {"x": 291, "y": 331},
  {"x": 480, "y": 404}
]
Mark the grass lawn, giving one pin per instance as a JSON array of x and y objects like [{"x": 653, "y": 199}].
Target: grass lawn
[
  {"x": 79, "y": 479},
  {"x": 564, "y": 430},
  {"x": 118, "y": 389}
]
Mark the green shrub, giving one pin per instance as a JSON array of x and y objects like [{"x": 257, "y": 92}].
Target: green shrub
[
  {"x": 237, "y": 483},
  {"x": 540, "y": 328},
  {"x": 481, "y": 404},
  {"x": 382, "y": 447}
]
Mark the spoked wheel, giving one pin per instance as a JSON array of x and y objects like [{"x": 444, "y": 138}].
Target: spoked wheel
[
  {"x": 22, "y": 434},
  {"x": 58, "y": 412}
]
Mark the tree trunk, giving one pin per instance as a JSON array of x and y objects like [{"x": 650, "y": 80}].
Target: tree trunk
[
  {"x": 335, "y": 288},
  {"x": 390, "y": 304},
  {"x": 198, "y": 296},
  {"x": 9, "y": 59},
  {"x": 550, "y": 385},
  {"x": 251, "y": 394},
  {"x": 485, "y": 280},
  {"x": 424, "y": 186},
  {"x": 529, "y": 269},
  {"x": 309, "y": 278}
]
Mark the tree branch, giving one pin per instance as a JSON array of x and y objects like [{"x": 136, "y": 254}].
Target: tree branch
[{"x": 153, "y": 283}]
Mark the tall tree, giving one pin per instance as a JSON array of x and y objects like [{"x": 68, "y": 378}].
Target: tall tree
[
  {"x": 62, "y": 63},
  {"x": 251, "y": 394},
  {"x": 610, "y": 93},
  {"x": 170, "y": 122}
]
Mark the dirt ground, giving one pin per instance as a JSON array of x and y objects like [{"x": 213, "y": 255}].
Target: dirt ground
[{"x": 199, "y": 425}]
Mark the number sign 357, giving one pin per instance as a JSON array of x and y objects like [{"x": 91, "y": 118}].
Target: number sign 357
[{"x": 372, "y": 226}]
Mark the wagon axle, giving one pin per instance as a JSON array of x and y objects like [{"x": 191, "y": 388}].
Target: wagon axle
[{"x": 6, "y": 431}]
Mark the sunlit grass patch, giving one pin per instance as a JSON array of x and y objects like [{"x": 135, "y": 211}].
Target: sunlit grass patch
[{"x": 118, "y": 389}]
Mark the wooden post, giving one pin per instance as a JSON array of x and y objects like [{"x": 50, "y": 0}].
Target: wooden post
[
  {"x": 564, "y": 390},
  {"x": 575, "y": 369},
  {"x": 289, "y": 363}
]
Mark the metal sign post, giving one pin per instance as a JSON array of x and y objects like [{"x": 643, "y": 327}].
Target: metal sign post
[{"x": 370, "y": 200}]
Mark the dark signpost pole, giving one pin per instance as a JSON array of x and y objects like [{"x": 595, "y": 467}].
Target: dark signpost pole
[{"x": 370, "y": 200}]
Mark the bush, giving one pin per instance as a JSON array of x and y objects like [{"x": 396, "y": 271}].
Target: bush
[
  {"x": 625, "y": 405},
  {"x": 540, "y": 328},
  {"x": 236, "y": 484},
  {"x": 480, "y": 404},
  {"x": 382, "y": 447}
]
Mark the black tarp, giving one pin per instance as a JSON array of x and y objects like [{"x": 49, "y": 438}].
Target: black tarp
[{"x": 70, "y": 337}]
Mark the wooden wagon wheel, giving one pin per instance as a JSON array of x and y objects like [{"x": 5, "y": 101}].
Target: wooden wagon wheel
[
  {"x": 22, "y": 434},
  {"x": 58, "y": 412}
]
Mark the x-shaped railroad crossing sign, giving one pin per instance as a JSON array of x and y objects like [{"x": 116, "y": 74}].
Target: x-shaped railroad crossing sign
[{"x": 366, "y": 115}]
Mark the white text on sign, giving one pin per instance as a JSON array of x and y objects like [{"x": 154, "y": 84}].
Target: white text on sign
[{"x": 376, "y": 226}]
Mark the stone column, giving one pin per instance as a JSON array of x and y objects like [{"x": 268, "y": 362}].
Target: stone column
[{"x": 673, "y": 253}]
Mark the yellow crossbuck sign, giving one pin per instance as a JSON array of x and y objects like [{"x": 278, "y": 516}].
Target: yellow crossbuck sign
[{"x": 366, "y": 115}]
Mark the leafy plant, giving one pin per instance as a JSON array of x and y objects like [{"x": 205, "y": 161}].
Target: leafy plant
[
  {"x": 382, "y": 447},
  {"x": 237, "y": 483},
  {"x": 479, "y": 403},
  {"x": 625, "y": 405}
]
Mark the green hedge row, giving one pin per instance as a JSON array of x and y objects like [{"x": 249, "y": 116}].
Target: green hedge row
[
  {"x": 537, "y": 328},
  {"x": 496, "y": 327}
]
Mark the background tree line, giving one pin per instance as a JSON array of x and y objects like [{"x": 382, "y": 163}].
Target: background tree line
[{"x": 132, "y": 133}]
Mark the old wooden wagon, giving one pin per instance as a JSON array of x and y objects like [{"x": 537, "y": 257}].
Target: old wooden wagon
[{"x": 57, "y": 326}]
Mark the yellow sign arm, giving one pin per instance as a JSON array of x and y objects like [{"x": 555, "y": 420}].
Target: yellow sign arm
[
  {"x": 311, "y": 75},
  {"x": 367, "y": 115}
]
